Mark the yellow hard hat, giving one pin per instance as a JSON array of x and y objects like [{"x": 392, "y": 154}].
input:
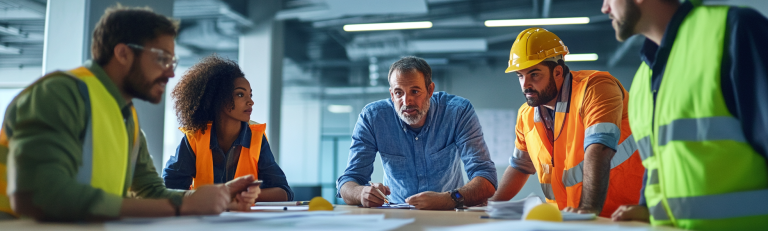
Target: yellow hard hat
[{"x": 532, "y": 46}]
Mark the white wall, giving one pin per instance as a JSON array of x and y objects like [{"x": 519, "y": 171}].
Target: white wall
[
  {"x": 300, "y": 137},
  {"x": 12, "y": 81},
  {"x": 19, "y": 77}
]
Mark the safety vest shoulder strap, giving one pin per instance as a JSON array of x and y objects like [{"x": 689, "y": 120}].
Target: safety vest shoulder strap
[{"x": 106, "y": 162}]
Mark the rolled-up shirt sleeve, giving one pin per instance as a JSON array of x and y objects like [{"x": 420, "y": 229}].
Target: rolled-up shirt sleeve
[
  {"x": 745, "y": 74},
  {"x": 521, "y": 161},
  {"x": 180, "y": 168},
  {"x": 601, "y": 112},
  {"x": 474, "y": 151},
  {"x": 362, "y": 153}
]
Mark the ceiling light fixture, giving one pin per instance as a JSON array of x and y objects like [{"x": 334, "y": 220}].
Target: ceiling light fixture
[
  {"x": 580, "y": 57},
  {"x": 536, "y": 22},
  {"x": 388, "y": 26}
]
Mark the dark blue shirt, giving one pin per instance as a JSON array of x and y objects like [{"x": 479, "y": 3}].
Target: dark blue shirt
[
  {"x": 744, "y": 77},
  {"x": 181, "y": 168}
]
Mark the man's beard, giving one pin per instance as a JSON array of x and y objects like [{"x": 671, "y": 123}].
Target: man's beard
[
  {"x": 549, "y": 93},
  {"x": 137, "y": 85},
  {"x": 420, "y": 113},
  {"x": 626, "y": 26}
]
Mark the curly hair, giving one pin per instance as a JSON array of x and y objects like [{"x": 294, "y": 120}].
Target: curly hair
[{"x": 204, "y": 90}]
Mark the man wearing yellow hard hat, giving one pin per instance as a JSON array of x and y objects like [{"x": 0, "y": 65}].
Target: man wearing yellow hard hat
[{"x": 572, "y": 131}]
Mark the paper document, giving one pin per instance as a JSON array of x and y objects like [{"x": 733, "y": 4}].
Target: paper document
[
  {"x": 520, "y": 208},
  {"x": 395, "y": 206},
  {"x": 279, "y": 221},
  {"x": 282, "y": 203},
  {"x": 273, "y": 215},
  {"x": 284, "y": 208},
  {"x": 537, "y": 226}
]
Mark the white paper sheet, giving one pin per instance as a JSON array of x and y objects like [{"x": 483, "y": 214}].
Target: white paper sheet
[
  {"x": 273, "y": 215},
  {"x": 285, "y": 208},
  {"x": 395, "y": 206},
  {"x": 518, "y": 209},
  {"x": 264, "y": 221}
]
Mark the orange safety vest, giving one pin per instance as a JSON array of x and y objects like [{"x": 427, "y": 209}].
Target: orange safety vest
[
  {"x": 201, "y": 145},
  {"x": 562, "y": 182}
]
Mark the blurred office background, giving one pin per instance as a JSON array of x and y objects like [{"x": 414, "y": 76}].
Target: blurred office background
[{"x": 311, "y": 76}]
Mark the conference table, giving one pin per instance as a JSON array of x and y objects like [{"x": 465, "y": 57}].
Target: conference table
[{"x": 422, "y": 220}]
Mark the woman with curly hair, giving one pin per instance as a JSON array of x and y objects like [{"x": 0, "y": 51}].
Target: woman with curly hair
[{"x": 213, "y": 103}]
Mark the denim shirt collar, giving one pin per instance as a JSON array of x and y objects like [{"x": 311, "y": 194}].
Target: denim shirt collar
[
  {"x": 243, "y": 138},
  {"x": 651, "y": 52}
]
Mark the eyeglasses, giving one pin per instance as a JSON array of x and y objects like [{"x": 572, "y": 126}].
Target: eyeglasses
[{"x": 164, "y": 59}]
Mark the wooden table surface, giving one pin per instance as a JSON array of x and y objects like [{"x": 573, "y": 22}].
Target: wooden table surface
[
  {"x": 423, "y": 220},
  {"x": 426, "y": 218}
]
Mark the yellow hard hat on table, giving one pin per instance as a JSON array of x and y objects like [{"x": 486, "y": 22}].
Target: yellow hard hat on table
[{"x": 533, "y": 46}]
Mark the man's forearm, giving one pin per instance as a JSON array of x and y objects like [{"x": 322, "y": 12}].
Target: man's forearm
[
  {"x": 511, "y": 183},
  {"x": 147, "y": 208},
  {"x": 597, "y": 169},
  {"x": 477, "y": 191},
  {"x": 350, "y": 192}
]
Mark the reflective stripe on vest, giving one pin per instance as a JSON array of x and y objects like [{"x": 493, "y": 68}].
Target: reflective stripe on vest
[
  {"x": 658, "y": 212},
  {"x": 624, "y": 151},
  {"x": 721, "y": 206},
  {"x": 730, "y": 205},
  {"x": 702, "y": 129},
  {"x": 247, "y": 163},
  {"x": 645, "y": 148},
  {"x": 653, "y": 177},
  {"x": 547, "y": 189}
]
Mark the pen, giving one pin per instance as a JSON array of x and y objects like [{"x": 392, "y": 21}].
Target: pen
[{"x": 386, "y": 200}]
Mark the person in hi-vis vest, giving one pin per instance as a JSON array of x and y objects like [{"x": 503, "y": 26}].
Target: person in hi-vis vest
[
  {"x": 699, "y": 112},
  {"x": 72, "y": 139},
  {"x": 213, "y": 103},
  {"x": 572, "y": 131}
]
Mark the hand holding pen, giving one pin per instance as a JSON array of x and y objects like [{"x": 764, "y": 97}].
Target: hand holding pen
[{"x": 374, "y": 195}]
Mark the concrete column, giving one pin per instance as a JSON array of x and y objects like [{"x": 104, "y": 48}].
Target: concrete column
[
  {"x": 261, "y": 59},
  {"x": 65, "y": 35},
  {"x": 68, "y": 33}
]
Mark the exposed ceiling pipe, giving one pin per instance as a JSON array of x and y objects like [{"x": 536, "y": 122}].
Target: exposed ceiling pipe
[
  {"x": 12, "y": 31},
  {"x": 546, "y": 8},
  {"x": 9, "y": 50}
]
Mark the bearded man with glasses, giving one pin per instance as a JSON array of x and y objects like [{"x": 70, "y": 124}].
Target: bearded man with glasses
[{"x": 72, "y": 139}]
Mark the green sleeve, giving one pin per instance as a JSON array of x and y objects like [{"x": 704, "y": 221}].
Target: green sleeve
[
  {"x": 46, "y": 125},
  {"x": 146, "y": 181}
]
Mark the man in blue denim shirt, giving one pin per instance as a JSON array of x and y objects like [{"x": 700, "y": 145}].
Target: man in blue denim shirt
[{"x": 421, "y": 136}]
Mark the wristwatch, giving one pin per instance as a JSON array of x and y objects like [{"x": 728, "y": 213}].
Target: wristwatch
[{"x": 458, "y": 199}]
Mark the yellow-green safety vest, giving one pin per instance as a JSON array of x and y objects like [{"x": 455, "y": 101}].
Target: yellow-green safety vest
[
  {"x": 105, "y": 162},
  {"x": 702, "y": 173}
]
